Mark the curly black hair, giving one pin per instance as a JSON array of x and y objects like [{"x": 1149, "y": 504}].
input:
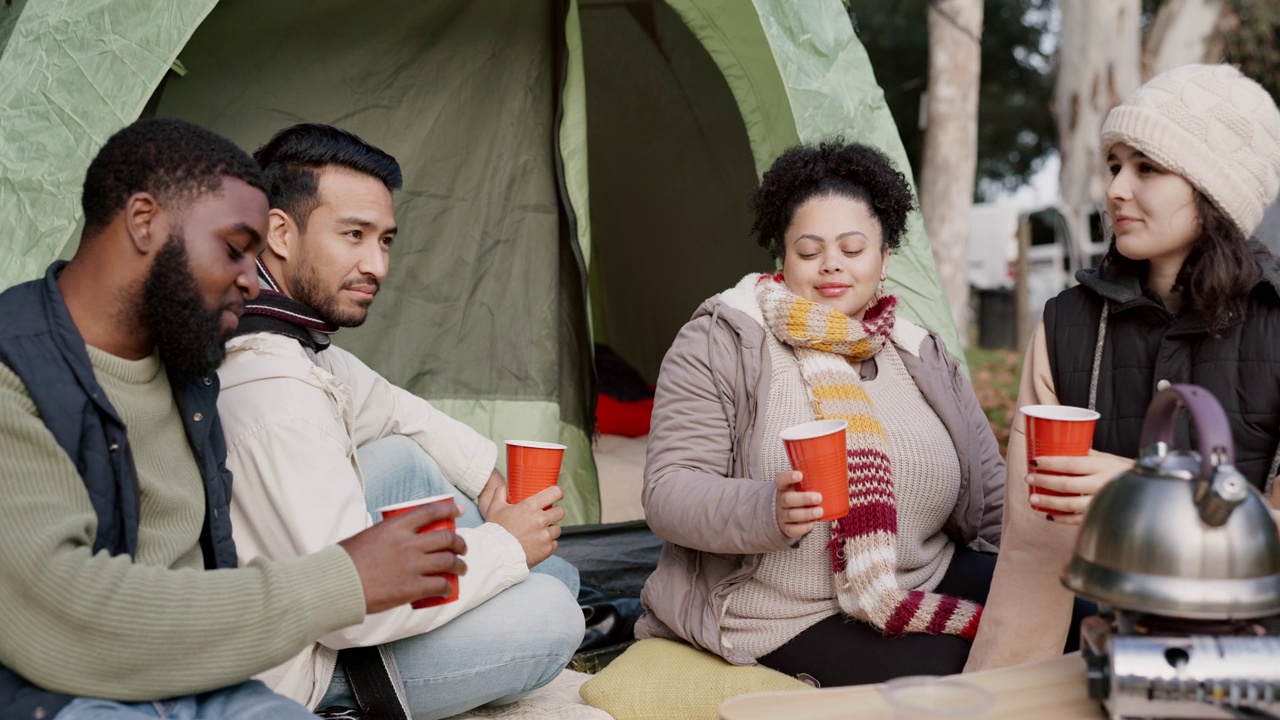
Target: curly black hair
[
  {"x": 292, "y": 159},
  {"x": 171, "y": 159},
  {"x": 833, "y": 167}
]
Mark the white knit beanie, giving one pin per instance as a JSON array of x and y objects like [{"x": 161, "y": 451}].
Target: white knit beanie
[{"x": 1214, "y": 127}]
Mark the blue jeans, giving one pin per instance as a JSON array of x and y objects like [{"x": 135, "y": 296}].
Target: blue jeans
[
  {"x": 249, "y": 700},
  {"x": 493, "y": 654}
]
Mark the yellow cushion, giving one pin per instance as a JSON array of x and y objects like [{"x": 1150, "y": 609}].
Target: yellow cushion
[{"x": 660, "y": 680}]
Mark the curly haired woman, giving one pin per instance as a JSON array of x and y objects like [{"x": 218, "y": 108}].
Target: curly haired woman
[{"x": 747, "y": 572}]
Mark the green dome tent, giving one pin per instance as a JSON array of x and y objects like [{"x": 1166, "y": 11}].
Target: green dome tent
[{"x": 574, "y": 169}]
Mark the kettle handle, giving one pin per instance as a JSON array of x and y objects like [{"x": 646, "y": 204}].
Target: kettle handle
[{"x": 1212, "y": 428}]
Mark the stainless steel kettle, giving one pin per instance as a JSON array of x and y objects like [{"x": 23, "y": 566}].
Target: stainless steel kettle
[{"x": 1182, "y": 534}]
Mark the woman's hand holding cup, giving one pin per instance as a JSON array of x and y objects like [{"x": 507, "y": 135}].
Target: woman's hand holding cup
[
  {"x": 798, "y": 512},
  {"x": 1077, "y": 478}
]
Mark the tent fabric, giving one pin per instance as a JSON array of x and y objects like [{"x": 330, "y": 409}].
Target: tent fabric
[
  {"x": 479, "y": 267},
  {"x": 545, "y": 145},
  {"x": 576, "y": 388},
  {"x": 71, "y": 74},
  {"x": 736, "y": 41},
  {"x": 832, "y": 91},
  {"x": 573, "y": 131},
  {"x": 671, "y": 171},
  {"x": 9, "y": 13},
  {"x": 797, "y": 74}
]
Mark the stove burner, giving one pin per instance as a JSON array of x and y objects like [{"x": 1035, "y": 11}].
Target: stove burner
[{"x": 1149, "y": 624}]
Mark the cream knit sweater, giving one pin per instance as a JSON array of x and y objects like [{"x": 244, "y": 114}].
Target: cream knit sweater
[{"x": 794, "y": 589}]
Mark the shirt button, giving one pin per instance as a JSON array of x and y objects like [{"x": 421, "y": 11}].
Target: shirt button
[
  {"x": 198, "y": 417},
  {"x": 113, "y": 447},
  {"x": 1163, "y": 385},
  {"x": 208, "y": 381}
]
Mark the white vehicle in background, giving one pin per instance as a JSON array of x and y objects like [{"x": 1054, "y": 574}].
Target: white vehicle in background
[
  {"x": 1054, "y": 252},
  {"x": 1269, "y": 231}
]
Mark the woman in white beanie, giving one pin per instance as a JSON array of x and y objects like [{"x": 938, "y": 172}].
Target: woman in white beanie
[{"x": 1183, "y": 295}]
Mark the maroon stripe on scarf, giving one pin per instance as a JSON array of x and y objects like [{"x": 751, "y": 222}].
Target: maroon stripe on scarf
[
  {"x": 873, "y": 492},
  {"x": 836, "y": 547},
  {"x": 869, "y": 518},
  {"x": 971, "y": 629},
  {"x": 871, "y": 464},
  {"x": 865, "y": 459},
  {"x": 880, "y": 316},
  {"x": 941, "y": 616},
  {"x": 902, "y": 615}
]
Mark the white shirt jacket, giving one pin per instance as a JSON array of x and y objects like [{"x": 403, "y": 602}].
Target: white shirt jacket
[{"x": 293, "y": 427}]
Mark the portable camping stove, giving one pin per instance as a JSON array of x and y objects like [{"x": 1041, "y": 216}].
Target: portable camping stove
[{"x": 1185, "y": 557}]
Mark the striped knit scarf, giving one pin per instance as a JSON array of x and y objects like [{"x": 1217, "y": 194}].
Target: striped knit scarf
[
  {"x": 863, "y": 545},
  {"x": 273, "y": 311}
]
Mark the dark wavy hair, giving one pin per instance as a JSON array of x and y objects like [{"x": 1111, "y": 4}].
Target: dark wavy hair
[
  {"x": 833, "y": 167},
  {"x": 174, "y": 160},
  {"x": 1218, "y": 275},
  {"x": 292, "y": 159}
]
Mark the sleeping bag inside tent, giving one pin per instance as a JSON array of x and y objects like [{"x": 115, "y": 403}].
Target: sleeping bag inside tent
[{"x": 575, "y": 172}]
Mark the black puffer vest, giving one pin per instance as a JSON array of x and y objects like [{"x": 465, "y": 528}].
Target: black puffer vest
[
  {"x": 40, "y": 343},
  {"x": 1144, "y": 345}
]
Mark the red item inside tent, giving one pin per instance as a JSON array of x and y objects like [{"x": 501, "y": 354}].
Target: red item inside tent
[{"x": 629, "y": 419}]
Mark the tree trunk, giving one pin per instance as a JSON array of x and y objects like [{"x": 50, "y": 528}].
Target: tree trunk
[
  {"x": 1099, "y": 59},
  {"x": 950, "y": 156},
  {"x": 1182, "y": 34}
]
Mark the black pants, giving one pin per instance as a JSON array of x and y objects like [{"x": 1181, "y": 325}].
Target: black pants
[{"x": 844, "y": 651}]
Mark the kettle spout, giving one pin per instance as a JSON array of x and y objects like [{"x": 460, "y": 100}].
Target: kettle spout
[{"x": 1220, "y": 495}]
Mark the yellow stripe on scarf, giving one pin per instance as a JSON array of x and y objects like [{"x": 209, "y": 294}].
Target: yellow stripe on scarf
[
  {"x": 837, "y": 325},
  {"x": 798, "y": 319},
  {"x": 836, "y": 330},
  {"x": 841, "y": 391},
  {"x": 810, "y": 321},
  {"x": 865, "y": 424},
  {"x": 859, "y": 348}
]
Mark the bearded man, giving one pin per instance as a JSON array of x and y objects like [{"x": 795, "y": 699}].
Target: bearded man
[{"x": 119, "y": 587}]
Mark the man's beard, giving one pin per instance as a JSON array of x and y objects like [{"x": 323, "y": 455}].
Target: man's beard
[
  {"x": 185, "y": 330},
  {"x": 306, "y": 285}
]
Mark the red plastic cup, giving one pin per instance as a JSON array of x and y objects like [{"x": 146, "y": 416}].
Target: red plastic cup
[
  {"x": 817, "y": 449},
  {"x": 532, "y": 467},
  {"x": 391, "y": 511},
  {"x": 1057, "y": 430}
]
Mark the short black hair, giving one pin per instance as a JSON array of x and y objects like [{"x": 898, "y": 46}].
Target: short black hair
[
  {"x": 833, "y": 167},
  {"x": 292, "y": 160},
  {"x": 169, "y": 158}
]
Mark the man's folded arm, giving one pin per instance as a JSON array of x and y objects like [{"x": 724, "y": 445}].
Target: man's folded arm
[
  {"x": 495, "y": 562},
  {"x": 296, "y": 492},
  {"x": 465, "y": 456}
]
